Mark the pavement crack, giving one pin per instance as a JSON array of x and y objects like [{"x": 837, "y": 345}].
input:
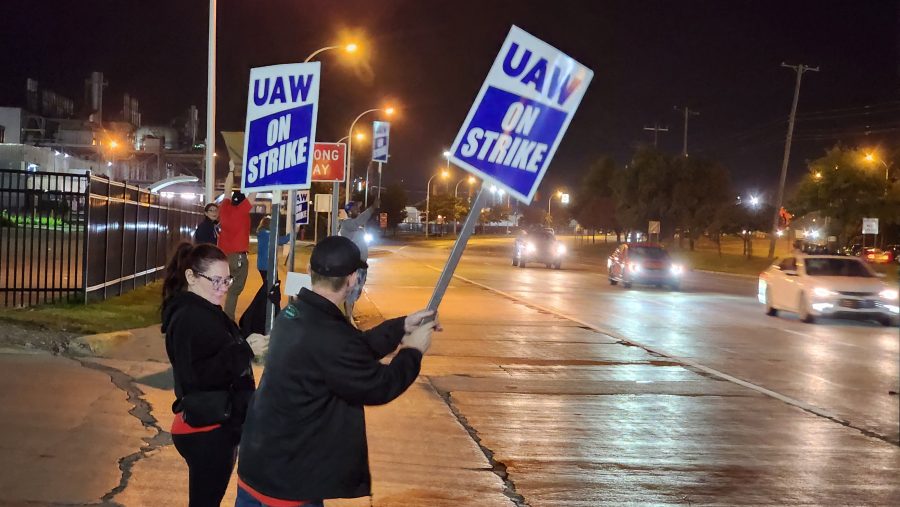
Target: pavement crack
[
  {"x": 497, "y": 466},
  {"x": 141, "y": 410}
]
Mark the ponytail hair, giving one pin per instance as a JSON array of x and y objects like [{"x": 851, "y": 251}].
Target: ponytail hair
[{"x": 188, "y": 256}]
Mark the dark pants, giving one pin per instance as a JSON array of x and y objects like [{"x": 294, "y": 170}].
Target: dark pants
[
  {"x": 264, "y": 275},
  {"x": 210, "y": 457}
]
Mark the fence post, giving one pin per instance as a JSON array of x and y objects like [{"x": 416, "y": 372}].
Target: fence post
[{"x": 84, "y": 233}]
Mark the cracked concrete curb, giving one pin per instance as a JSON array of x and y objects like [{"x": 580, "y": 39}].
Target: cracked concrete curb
[
  {"x": 497, "y": 467},
  {"x": 142, "y": 411}
]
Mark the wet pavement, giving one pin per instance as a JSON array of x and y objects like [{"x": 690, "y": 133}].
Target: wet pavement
[
  {"x": 547, "y": 388},
  {"x": 576, "y": 416}
]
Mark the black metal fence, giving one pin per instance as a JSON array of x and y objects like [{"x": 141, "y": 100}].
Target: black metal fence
[{"x": 73, "y": 237}]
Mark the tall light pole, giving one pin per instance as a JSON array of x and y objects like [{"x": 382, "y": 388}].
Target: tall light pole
[
  {"x": 471, "y": 180},
  {"x": 388, "y": 111},
  {"x": 211, "y": 104},
  {"x": 443, "y": 174},
  {"x": 559, "y": 194},
  {"x": 799, "y": 69},
  {"x": 871, "y": 158}
]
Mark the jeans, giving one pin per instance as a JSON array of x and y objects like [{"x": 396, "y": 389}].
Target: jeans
[
  {"x": 210, "y": 457},
  {"x": 245, "y": 499},
  {"x": 238, "y": 265}
]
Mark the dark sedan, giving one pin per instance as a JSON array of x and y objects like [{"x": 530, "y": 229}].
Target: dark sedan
[
  {"x": 540, "y": 246},
  {"x": 643, "y": 263}
]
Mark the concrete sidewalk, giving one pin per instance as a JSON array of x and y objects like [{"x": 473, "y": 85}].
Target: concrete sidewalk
[{"x": 419, "y": 453}]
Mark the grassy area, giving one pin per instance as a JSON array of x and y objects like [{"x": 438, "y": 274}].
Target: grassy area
[{"x": 138, "y": 308}]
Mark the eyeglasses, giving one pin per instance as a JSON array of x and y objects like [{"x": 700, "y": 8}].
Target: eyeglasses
[{"x": 218, "y": 281}]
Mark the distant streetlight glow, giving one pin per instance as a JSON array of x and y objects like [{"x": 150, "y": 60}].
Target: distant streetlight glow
[
  {"x": 389, "y": 111},
  {"x": 351, "y": 48},
  {"x": 360, "y": 136},
  {"x": 754, "y": 201},
  {"x": 446, "y": 154},
  {"x": 113, "y": 144}
]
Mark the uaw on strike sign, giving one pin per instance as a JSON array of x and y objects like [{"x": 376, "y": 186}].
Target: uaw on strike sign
[
  {"x": 282, "y": 105},
  {"x": 520, "y": 115}
]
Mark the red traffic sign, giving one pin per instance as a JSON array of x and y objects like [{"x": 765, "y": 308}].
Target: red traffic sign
[{"x": 328, "y": 161}]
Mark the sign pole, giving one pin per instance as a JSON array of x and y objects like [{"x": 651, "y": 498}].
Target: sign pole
[
  {"x": 272, "y": 261},
  {"x": 378, "y": 199},
  {"x": 292, "y": 225},
  {"x": 458, "y": 248},
  {"x": 333, "y": 225}
]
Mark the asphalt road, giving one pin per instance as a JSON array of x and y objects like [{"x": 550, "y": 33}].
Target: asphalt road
[{"x": 589, "y": 394}]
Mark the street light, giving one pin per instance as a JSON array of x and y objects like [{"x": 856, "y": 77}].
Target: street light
[
  {"x": 754, "y": 201},
  {"x": 350, "y": 48},
  {"x": 871, "y": 158},
  {"x": 559, "y": 193},
  {"x": 388, "y": 111},
  {"x": 471, "y": 180},
  {"x": 443, "y": 174}
]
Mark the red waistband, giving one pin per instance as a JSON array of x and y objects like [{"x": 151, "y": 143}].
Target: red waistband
[
  {"x": 269, "y": 501},
  {"x": 179, "y": 427}
]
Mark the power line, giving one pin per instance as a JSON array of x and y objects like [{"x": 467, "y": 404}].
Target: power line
[{"x": 656, "y": 130}]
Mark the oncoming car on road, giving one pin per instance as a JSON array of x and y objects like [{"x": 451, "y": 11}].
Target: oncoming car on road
[
  {"x": 827, "y": 286},
  {"x": 643, "y": 263},
  {"x": 539, "y": 246}
]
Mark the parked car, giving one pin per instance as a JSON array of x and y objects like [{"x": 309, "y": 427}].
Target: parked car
[
  {"x": 643, "y": 263},
  {"x": 538, "y": 246},
  {"x": 814, "y": 286},
  {"x": 877, "y": 256}
]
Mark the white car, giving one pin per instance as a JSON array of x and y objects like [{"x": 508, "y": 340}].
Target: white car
[{"x": 827, "y": 286}]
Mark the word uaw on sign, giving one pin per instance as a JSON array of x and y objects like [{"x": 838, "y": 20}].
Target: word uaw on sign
[{"x": 328, "y": 161}]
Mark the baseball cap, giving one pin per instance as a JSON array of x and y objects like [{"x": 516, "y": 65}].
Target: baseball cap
[{"x": 336, "y": 256}]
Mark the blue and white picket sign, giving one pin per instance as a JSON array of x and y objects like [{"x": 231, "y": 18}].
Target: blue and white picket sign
[
  {"x": 520, "y": 115},
  {"x": 301, "y": 207},
  {"x": 282, "y": 106},
  {"x": 380, "y": 133}
]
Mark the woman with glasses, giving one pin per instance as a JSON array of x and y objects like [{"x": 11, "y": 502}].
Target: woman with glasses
[{"x": 211, "y": 363}]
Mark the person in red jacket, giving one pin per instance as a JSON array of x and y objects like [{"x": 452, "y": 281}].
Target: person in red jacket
[{"x": 234, "y": 237}]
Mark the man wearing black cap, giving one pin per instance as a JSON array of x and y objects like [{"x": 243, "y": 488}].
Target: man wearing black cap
[{"x": 304, "y": 438}]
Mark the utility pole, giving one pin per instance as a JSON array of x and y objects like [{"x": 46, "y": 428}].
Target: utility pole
[
  {"x": 656, "y": 130},
  {"x": 799, "y": 69},
  {"x": 687, "y": 114}
]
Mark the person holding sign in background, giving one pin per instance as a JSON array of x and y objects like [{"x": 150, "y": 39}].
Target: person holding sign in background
[
  {"x": 234, "y": 237},
  {"x": 354, "y": 229}
]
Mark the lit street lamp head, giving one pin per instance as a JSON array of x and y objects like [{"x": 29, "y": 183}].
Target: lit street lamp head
[
  {"x": 351, "y": 48},
  {"x": 389, "y": 111},
  {"x": 360, "y": 136},
  {"x": 446, "y": 154}
]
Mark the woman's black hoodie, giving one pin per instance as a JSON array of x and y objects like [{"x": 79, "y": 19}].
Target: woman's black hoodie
[{"x": 207, "y": 352}]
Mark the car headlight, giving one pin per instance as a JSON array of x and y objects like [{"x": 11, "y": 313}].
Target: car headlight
[
  {"x": 634, "y": 266},
  {"x": 822, "y": 292},
  {"x": 560, "y": 249},
  {"x": 529, "y": 247},
  {"x": 368, "y": 237},
  {"x": 677, "y": 269},
  {"x": 889, "y": 294}
]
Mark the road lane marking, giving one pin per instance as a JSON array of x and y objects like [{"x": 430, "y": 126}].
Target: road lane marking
[{"x": 808, "y": 407}]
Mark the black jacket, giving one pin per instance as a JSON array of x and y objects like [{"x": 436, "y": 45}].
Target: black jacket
[
  {"x": 207, "y": 352},
  {"x": 206, "y": 232},
  {"x": 305, "y": 434}
]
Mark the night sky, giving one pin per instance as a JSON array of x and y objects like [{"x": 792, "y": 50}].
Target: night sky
[{"x": 429, "y": 58}]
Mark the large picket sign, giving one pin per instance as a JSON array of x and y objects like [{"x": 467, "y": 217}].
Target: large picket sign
[
  {"x": 282, "y": 106},
  {"x": 520, "y": 115},
  {"x": 514, "y": 127}
]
